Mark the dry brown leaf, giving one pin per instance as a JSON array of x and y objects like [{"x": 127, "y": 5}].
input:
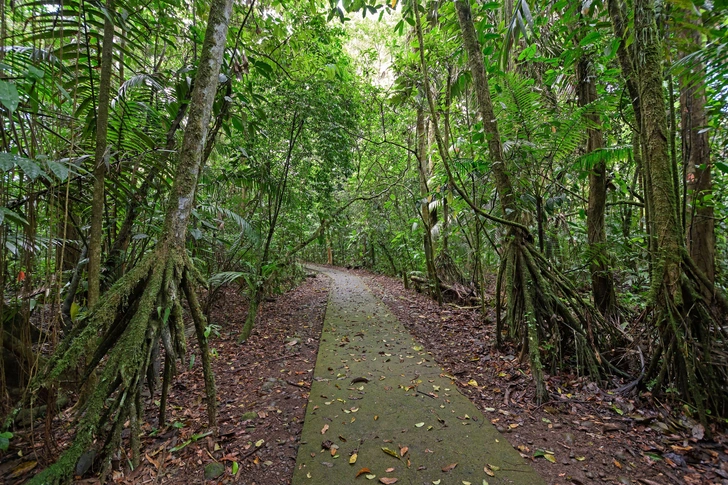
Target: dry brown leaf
[
  {"x": 388, "y": 481},
  {"x": 325, "y": 428},
  {"x": 403, "y": 451},
  {"x": 449, "y": 467},
  {"x": 389, "y": 470},
  {"x": 363, "y": 471}
]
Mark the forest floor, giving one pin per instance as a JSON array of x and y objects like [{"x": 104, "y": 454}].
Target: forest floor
[{"x": 585, "y": 435}]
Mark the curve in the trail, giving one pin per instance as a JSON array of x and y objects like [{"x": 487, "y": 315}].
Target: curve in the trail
[{"x": 378, "y": 394}]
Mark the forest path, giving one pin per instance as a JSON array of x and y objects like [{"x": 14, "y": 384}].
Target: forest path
[{"x": 377, "y": 393}]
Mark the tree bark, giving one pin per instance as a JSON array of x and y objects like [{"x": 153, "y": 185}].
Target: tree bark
[
  {"x": 144, "y": 306},
  {"x": 700, "y": 225},
  {"x": 690, "y": 355},
  {"x": 601, "y": 274},
  {"x": 100, "y": 159}
]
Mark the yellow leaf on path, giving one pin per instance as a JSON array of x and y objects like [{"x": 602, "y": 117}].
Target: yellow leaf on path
[
  {"x": 390, "y": 452},
  {"x": 550, "y": 458},
  {"x": 473, "y": 382},
  {"x": 352, "y": 459},
  {"x": 488, "y": 471},
  {"x": 325, "y": 428},
  {"x": 371, "y": 476},
  {"x": 259, "y": 443},
  {"x": 419, "y": 425}
]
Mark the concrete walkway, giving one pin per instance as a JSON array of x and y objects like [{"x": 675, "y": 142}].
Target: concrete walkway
[{"x": 376, "y": 393}]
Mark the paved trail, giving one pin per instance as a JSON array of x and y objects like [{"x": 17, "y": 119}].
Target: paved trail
[{"x": 375, "y": 388}]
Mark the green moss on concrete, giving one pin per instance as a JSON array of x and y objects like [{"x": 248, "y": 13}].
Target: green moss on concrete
[{"x": 361, "y": 338}]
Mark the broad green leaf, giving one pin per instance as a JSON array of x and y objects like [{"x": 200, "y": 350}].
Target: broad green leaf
[
  {"x": 9, "y": 95},
  {"x": 59, "y": 170}
]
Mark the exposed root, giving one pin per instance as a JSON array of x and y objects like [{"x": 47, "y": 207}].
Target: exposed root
[
  {"x": 554, "y": 324},
  {"x": 142, "y": 309},
  {"x": 691, "y": 356}
]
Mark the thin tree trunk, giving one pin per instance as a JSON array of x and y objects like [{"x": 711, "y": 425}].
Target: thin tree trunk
[
  {"x": 601, "y": 274},
  {"x": 423, "y": 171},
  {"x": 100, "y": 159}
]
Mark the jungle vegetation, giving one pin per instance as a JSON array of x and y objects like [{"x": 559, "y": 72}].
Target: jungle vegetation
[{"x": 564, "y": 162}]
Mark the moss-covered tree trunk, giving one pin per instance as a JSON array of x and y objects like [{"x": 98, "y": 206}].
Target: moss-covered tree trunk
[
  {"x": 543, "y": 306},
  {"x": 100, "y": 158},
  {"x": 599, "y": 262},
  {"x": 690, "y": 355},
  {"x": 144, "y": 306}
]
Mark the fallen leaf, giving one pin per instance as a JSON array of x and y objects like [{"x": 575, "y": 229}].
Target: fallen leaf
[
  {"x": 325, "y": 428},
  {"x": 488, "y": 471},
  {"x": 436, "y": 482},
  {"x": 390, "y": 452},
  {"x": 371, "y": 477},
  {"x": 259, "y": 443},
  {"x": 550, "y": 458},
  {"x": 617, "y": 464},
  {"x": 419, "y": 425},
  {"x": 449, "y": 467},
  {"x": 473, "y": 383},
  {"x": 403, "y": 451},
  {"x": 388, "y": 481},
  {"x": 23, "y": 468},
  {"x": 362, "y": 472},
  {"x": 389, "y": 470},
  {"x": 352, "y": 459},
  {"x": 698, "y": 432}
]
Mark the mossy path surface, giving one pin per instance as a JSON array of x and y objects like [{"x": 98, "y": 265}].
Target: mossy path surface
[{"x": 377, "y": 393}]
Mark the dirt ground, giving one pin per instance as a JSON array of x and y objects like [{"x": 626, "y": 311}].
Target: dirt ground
[
  {"x": 585, "y": 435},
  {"x": 262, "y": 394}
]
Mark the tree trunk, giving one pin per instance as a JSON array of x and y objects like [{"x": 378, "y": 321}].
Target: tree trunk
[
  {"x": 601, "y": 274},
  {"x": 542, "y": 303},
  {"x": 144, "y": 306},
  {"x": 700, "y": 230},
  {"x": 690, "y": 355},
  {"x": 100, "y": 159},
  {"x": 423, "y": 171}
]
